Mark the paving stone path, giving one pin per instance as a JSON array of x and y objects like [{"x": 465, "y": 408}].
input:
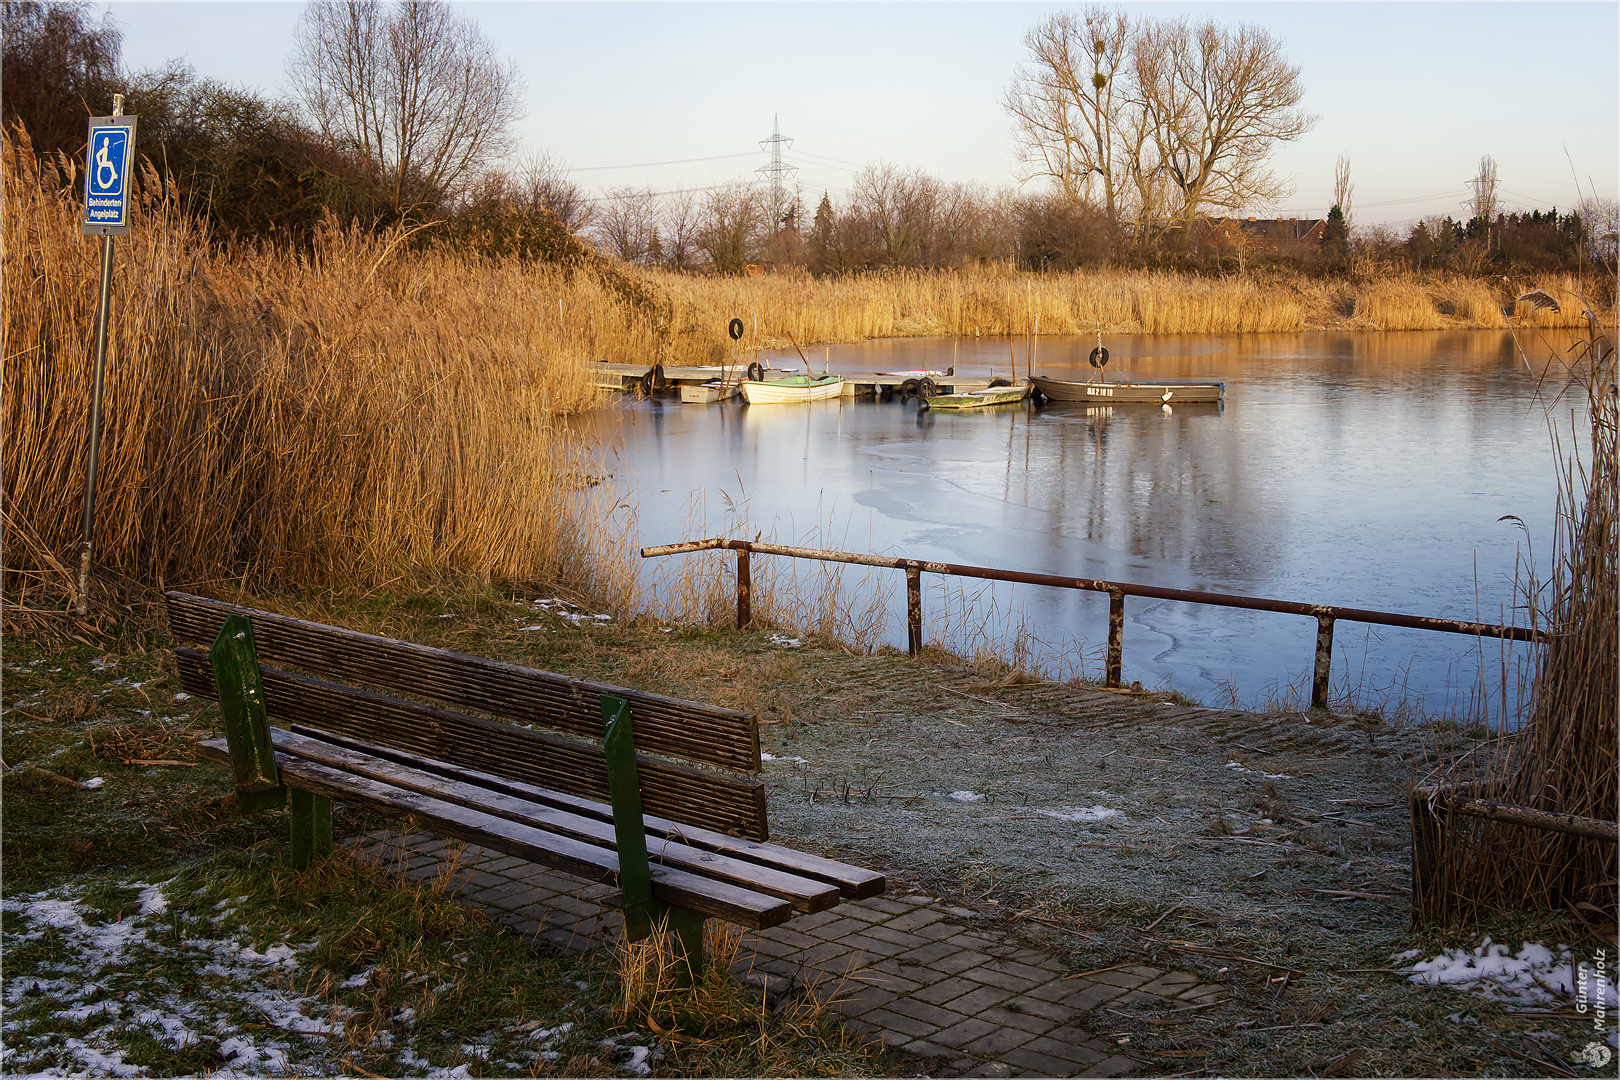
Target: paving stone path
[{"x": 901, "y": 968}]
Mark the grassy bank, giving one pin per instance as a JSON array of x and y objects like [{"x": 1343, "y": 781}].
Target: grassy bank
[
  {"x": 145, "y": 898},
  {"x": 149, "y": 929}
]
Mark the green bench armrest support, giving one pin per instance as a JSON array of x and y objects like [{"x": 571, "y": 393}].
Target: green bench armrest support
[
  {"x": 253, "y": 760},
  {"x": 643, "y": 915}
]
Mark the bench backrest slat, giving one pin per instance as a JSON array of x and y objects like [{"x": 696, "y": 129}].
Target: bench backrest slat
[
  {"x": 729, "y": 804},
  {"x": 707, "y": 734}
]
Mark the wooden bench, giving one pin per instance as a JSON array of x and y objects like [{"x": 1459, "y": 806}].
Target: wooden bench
[{"x": 315, "y": 713}]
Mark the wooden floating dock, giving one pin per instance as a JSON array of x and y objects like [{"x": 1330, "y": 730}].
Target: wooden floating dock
[{"x": 638, "y": 376}]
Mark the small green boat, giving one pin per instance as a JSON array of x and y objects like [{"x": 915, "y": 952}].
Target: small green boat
[{"x": 978, "y": 399}]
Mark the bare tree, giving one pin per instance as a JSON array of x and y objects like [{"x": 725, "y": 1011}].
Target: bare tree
[
  {"x": 899, "y": 205},
  {"x": 736, "y": 219},
  {"x": 1343, "y": 189},
  {"x": 1068, "y": 101},
  {"x": 679, "y": 227},
  {"x": 1218, "y": 100},
  {"x": 626, "y": 222},
  {"x": 540, "y": 182},
  {"x": 958, "y": 224},
  {"x": 1482, "y": 206},
  {"x": 57, "y": 64},
  {"x": 1600, "y": 217},
  {"x": 414, "y": 89},
  {"x": 1158, "y": 116}
]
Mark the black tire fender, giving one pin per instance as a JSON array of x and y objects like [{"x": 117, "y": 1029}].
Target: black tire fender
[
  {"x": 926, "y": 389},
  {"x": 1099, "y": 356},
  {"x": 1000, "y": 382},
  {"x": 909, "y": 388},
  {"x": 756, "y": 372}
]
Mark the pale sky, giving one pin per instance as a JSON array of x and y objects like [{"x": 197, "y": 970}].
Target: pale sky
[{"x": 679, "y": 95}]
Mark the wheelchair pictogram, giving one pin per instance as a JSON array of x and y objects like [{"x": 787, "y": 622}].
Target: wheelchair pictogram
[
  {"x": 106, "y": 171},
  {"x": 108, "y": 162}
]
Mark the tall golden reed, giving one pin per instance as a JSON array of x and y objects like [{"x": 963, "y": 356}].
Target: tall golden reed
[
  {"x": 346, "y": 419},
  {"x": 1564, "y": 760},
  {"x": 993, "y": 301}
]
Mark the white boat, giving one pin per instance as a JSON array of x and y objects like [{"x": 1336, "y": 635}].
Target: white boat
[
  {"x": 793, "y": 388},
  {"x": 704, "y": 393}
]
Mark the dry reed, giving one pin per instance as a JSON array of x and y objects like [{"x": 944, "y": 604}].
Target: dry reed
[
  {"x": 993, "y": 302},
  {"x": 1564, "y": 760},
  {"x": 347, "y": 419}
]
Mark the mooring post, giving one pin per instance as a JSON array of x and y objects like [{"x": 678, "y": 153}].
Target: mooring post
[
  {"x": 745, "y": 591},
  {"x": 914, "y": 629},
  {"x": 1324, "y": 661},
  {"x": 1116, "y": 637}
]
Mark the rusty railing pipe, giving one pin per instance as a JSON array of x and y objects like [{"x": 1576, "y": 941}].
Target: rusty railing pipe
[{"x": 1324, "y": 614}]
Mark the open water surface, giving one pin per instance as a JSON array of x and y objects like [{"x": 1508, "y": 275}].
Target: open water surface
[{"x": 1369, "y": 470}]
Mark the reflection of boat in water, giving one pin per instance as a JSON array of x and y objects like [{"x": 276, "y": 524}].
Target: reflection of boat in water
[
  {"x": 1129, "y": 391},
  {"x": 794, "y": 388},
  {"x": 978, "y": 399}
]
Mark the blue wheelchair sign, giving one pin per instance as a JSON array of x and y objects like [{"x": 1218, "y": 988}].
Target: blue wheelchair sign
[{"x": 109, "y": 158}]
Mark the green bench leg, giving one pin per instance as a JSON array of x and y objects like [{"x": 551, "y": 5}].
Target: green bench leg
[
  {"x": 642, "y": 914},
  {"x": 687, "y": 926},
  {"x": 311, "y": 827}
]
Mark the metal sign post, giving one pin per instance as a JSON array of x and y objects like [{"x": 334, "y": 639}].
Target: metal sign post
[{"x": 109, "y": 160}]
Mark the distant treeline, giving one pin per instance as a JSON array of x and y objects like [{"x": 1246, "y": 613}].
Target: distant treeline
[{"x": 255, "y": 170}]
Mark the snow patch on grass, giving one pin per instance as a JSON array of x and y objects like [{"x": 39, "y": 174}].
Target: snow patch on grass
[{"x": 1536, "y": 973}]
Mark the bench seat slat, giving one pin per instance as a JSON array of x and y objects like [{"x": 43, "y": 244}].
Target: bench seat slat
[
  {"x": 706, "y": 733},
  {"x": 725, "y": 803},
  {"x": 671, "y": 885},
  {"x": 853, "y": 882},
  {"x": 805, "y": 894}
]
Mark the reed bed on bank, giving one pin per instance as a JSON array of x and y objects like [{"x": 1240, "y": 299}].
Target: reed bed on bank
[
  {"x": 994, "y": 302},
  {"x": 347, "y": 419},
  {"x": 1564, "y": 760}
]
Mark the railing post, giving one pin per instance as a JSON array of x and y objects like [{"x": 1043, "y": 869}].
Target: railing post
[
  {"x": 745, "y": 591},
  {"x": 1116, "y": 637},
  {"x": 914, "y": 627},
  {"x": 1324, "y": 661}
]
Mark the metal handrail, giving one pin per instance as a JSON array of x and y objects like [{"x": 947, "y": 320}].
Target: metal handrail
[{"x": 1324, "y": 614}]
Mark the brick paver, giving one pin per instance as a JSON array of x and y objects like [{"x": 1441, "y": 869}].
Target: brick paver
[{"x": 901, "y": 968}]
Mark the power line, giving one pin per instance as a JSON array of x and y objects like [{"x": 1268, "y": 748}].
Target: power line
[
  {"x": 673, "y": 191},
  {"x": 650, "y": 164}
]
